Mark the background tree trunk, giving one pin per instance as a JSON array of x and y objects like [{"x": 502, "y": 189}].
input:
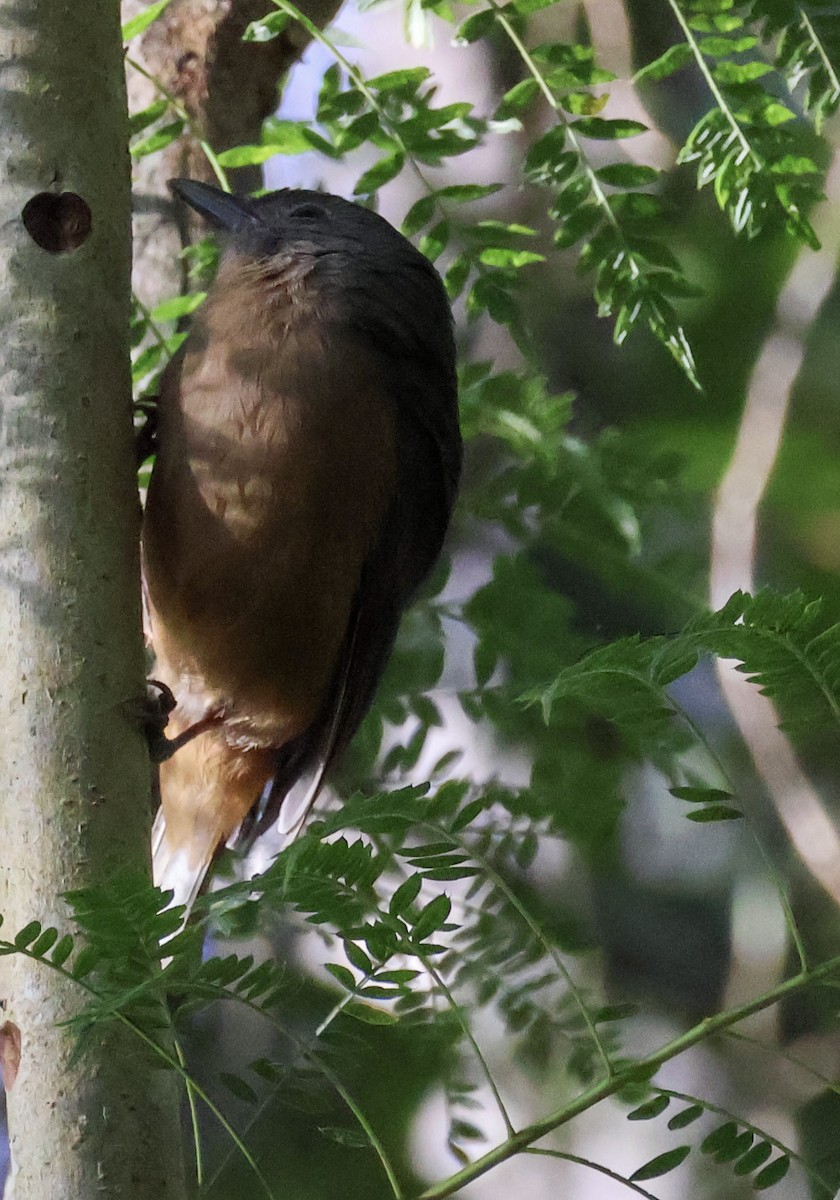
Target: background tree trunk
[
  {"x": 228, "y": 87},
  {"x": 74, "y": 772}
]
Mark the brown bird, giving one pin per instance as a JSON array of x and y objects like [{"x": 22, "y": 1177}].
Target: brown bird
[{"x": 309, "y": 455}]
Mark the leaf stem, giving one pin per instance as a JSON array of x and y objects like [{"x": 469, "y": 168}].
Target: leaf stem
[
  {"x": 510, "y": 895},
  {"x": 196, "y": 1132},
  {"x": 594, "y": 1166},
  {"x": 816, "y": 42},
  {"x": 164, "y": 1055},
  {"x": 753, "y": 1129},
  {"x": 189, "y": 121},
  {"x": 327, "y": 1071},
  {"x": 542, "y": 83},
  {"x": 359, "y": 81},
  {"x": 468, "y": 1034},
  {"x": 641, "y": 1069},
  {"x": 711, "y": 83}
]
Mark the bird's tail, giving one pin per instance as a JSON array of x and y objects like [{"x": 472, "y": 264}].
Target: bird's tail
[{"x": 206, "y": 790}]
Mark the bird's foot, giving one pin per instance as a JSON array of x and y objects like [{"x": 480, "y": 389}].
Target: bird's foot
[
  {"x": 145, "y": 434},
  {"x": 160, "y": 701}
]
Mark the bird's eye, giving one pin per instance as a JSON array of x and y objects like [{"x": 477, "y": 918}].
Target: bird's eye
[{"x": 308, "y": 212}]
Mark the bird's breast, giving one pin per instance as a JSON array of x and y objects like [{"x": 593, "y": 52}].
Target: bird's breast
[{"x": 276, "y": 468}]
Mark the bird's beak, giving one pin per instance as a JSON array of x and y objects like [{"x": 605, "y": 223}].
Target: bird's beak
[{"x": 219, "y": 208}]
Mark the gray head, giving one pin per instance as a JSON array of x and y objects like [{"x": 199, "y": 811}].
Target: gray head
[
  {"x": 294, "y": 221},
  {"x": 387, "y": 286}
]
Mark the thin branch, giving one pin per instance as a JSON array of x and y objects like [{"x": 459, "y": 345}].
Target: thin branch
[
  {"x": 816, "y": 42},
  {"x": 510, "y": 895},
  {"x": 186, "y": 117},
  {"x": 612, "y": 41},
  {"x": 468, "y": 1034},
  {"x": 169, "y": 1060},
  {"x": 642, "y": 1069},
  {"x": 194, "y": 1129},
  {"x": 593, "y": 1166},
  {"x": 711, "y": 83},
  {"x": 328, "y": 1073},
  {"x": 829, "y": 1084},
  {"x": 542, "y": 84}
]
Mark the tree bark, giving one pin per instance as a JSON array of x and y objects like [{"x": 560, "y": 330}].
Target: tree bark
[{"x": 74, "y": 771}]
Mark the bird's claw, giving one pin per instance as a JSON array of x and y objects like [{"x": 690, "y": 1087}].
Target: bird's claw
[{"x": 160, "y": 701}]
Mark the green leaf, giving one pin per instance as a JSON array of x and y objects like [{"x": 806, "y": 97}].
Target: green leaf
[
  {"x": 62, "y": 950},
  {"x": 139, "y": 121},
  {"x": 358, "y": 958},
  {"x": 238, "y": 1087},
  {"x": 432, "y": 917},
  {"x": 43, "y": 943},
  {"x": 85, "y": 961},
  {"x": 673, "y": 60},
  {"x": 449, "y": 874},
  {"x": 517, "y": 99},
  {"x": 287, "y": 137},
  {"x": 715, "y": 812},
  {"x": 404, "y": 896},
  {"x": 720, "y": 47},
  {"x": 601, "y": 129},
  {"x": 248, "y": 156},
  {"x": 499, "y": 256},
  {"x": 584, "y": 103},
  {"x": 475, "y": 27},
  {"x": 266, "y": 28},
  {"x": 420, "y": 213},
  {"x": 406, "y": 77},
  {"x": 380, "y": 173},
  {"x": 28, "y": 934},
  {"x": 687, "y": 1117},
  {"x": 777, "y": 114},
  {"x": 653, "y": 1108},
  {"x": 456, "y": 276},
  {"x": 158, "y": 140},
  {"x": 719, "y": 1138},
  {"x": 662, "y": 1164},
  {"x": 628, "y": 175},
  {"x": 581, "y": 222},
  {"x": 143, "y": 20},
  {"x": 772, "y": 1173},
  {"x": 735, "y": 73},
  {"x": 178, "y": 306},
  {"x": 370, "y": 1015},
  {"x": 547, "y": 161},
  {"x": 701, "y": 795},
  {"x": 342, "y": 975},
  {"x": 753, "y": 1159},
  {"x": 468, "y": 814},
  {"x": 435, "y": 241},
  {"x": 464, "y": 193}
]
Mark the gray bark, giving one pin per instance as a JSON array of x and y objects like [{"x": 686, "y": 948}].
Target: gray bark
[{"x": 74, "y": 771}]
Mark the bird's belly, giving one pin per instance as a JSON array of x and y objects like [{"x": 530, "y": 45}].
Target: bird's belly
[{"x": 252, "y": 571}]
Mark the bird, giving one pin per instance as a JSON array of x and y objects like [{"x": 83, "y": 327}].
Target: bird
[{"x": 308, "y": 460}]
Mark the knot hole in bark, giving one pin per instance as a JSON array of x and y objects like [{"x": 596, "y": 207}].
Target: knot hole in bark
[{"x": 57, "y": 223}]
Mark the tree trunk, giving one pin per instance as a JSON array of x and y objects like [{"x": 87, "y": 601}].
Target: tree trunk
[{"x": 74, "y": 772}]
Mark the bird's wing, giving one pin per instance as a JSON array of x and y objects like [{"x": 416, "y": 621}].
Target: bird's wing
[{"x": 408, "y": 544}]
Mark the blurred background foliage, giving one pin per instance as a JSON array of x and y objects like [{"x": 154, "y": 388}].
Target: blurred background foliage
[{"x": 586, "y": 518}]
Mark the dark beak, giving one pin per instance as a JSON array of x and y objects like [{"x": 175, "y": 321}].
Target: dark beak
[{"x": 219, "y": 208}]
